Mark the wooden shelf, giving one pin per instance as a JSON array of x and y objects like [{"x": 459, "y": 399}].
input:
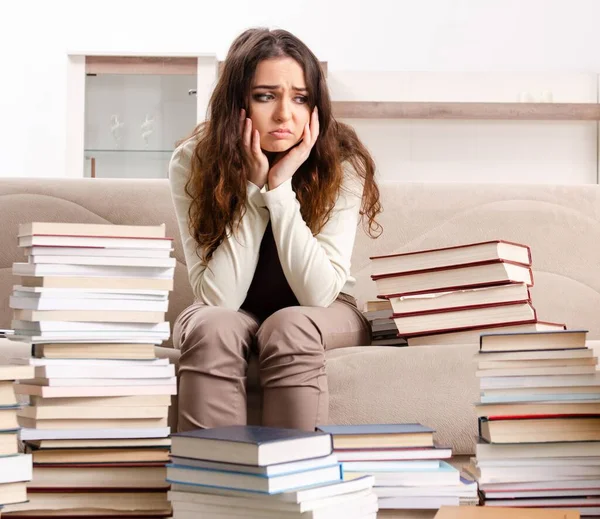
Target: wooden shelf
[{"x": 467, "y": 110}]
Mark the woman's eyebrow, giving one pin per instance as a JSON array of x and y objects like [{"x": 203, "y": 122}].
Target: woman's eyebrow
[{"x": 275, "y": 87}]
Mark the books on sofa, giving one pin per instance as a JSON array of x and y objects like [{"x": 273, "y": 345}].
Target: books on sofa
[
  {"x": 462, "y": 254},
  {"x": 379, "y": 435}
]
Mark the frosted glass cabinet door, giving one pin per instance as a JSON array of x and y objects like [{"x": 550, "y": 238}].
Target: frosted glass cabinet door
[{"x": 136, "y": 109}]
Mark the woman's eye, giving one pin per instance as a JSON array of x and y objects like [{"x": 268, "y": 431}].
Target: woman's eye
[
  {"x": 263, "y": 97},
  {"x": 302, "y": 99}
]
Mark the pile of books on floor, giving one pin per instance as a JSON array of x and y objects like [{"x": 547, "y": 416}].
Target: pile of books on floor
[
  {"x": 452, "y": 295},
  {"x": 409, "y": 468},
  {"x": 15, "y": 468},
  {"x": 539, "y": 420},
  {"x": 263, "y": 473},
  {"x": 92, "y": 302},
  {"x": 383, "y": 328}
]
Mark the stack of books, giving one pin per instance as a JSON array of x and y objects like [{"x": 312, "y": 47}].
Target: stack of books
[
  {"x": 451, "y": 295},
  {"x": 408, "y": 466},
  {"x": 92, "y": 302},
  {"x": 539, "y": 422},
  {"x": 263, "y": 472},
  {"x": 383, "y": 328},
  {"x": 15, "y": 468}
]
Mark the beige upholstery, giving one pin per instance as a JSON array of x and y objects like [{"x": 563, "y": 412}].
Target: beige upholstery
[{"x": 432, "y": 385}]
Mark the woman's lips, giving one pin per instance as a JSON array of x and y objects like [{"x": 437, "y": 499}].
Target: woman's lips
[{"x": 281, "y": 135}]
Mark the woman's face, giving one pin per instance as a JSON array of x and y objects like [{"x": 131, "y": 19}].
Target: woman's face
[{"x": 279, "y": 103}]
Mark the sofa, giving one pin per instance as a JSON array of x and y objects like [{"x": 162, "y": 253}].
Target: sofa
[{"x": 434, "y": 385}]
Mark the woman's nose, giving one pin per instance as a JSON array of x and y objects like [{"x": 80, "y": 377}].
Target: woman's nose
[{"x": 284, "y": 111}]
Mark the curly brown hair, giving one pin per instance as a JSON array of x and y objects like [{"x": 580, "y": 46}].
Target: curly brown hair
[{"x": 217, "y": 183}]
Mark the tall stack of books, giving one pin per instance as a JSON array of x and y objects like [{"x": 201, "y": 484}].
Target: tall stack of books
[
  {"x": 263, "y": 472},
  {"x": 92, "y": 303},
  {"x": 451, "y": 295},
  {"x": 15, "y": 468},
  {"x": 408, "y": 466},
  {"x": 539, "y": 421}
]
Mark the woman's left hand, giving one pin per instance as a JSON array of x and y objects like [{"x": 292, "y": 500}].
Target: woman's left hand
[{"x": 285, "y": 168}]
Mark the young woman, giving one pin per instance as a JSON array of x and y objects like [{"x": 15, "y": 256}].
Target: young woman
[{"x": 268, "y": 194}]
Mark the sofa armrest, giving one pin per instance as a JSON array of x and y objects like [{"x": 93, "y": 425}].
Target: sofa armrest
[{"x": 432, "y": 385}]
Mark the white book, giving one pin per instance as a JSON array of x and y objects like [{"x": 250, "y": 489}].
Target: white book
[
  {"x": 258, "y": 503},
  {"x": 83, "y": 326},
  {"x": 103, "y": 261},
  {"x": 276, "y": 469},
  {"x": 112, "y": 372},
  {"x": 353, "y": 507},
  {"x": 121, "y": 316},
  {"x": 27, "y": 434},
  {"x": 115, "y": 338},
  {"x": 97, "y": 251},
  {"x": 272, "y": 485},
  {"x": 96, "y": 293},
  {"x": 15, "y": 468},
  {"x": 89, "y": 241},
  {"x": 30, "y": 269},
  {"x": 102, "y": 382},
  {"x": 302, "y": 495},
  {"x": 417, "y": 502},
  {"x": 92, "y": 229},
  {"x": 47, "y": 303},
  {"x": 540, "y": 381},
  {"x": 83, "y": 363}
]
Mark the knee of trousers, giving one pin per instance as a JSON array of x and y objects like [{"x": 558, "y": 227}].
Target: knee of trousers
[
  {"x": 212, "y": 328},
  {"x": 288, "y": 336}
]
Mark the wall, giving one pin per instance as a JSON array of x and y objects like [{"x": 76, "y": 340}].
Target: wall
[{"x": 393, "y": 35}]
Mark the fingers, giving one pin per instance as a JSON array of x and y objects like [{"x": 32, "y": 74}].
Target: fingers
[
  {"x": 247, "y": 133},
  {"x": 256, "y": 144},
  {"x": 315, "y": 125},
  {"x": 242, "y": 121}
]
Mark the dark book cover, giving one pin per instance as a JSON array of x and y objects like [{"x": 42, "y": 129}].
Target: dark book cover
[
  {"x": 408, "y": 428},
  {"x": 255, "y": 435},
  {"x": 546, "y": 332}
]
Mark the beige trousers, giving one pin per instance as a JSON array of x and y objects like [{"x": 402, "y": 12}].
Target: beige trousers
[{"x": 216, "y": 344}]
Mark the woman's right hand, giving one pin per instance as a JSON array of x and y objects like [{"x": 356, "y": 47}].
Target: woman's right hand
[{"x": 259, "y": 171}]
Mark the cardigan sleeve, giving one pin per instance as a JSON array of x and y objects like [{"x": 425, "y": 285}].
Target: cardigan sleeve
[
  {"x": 316, "y": 267},
  {"x": 225, "y": 280}
]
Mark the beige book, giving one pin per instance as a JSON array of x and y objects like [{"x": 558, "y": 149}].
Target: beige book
[
  {"x": 95, "y": 351},
  {"x": 523, "y": 372},
  {"x": 97, "y": 282},
  {"x": 538, "y": 363},
  {"x": 32, "y": 423},
  {"x": 381, "y": 441},
  {"x": 9, "y": 444},
  {"x": 543, "y": 355},
  {"x": 542, "y": 390},
  {"x": 89, "y": 229},
  {"x": 8, "y": 419},
  {"x": 88, "y": 391},
  {"x": 92, "y": 412},
  {"x": 99, "y": 477},
  {"x": 518, "y": 409},
  {"x": 496, "y": 512},
  {"x": 15, "y": 372},
  {"x": 128, "y": 316},
  {"x": 110, "y": 401},
  {"x": 7, "y": 393},
  {"x": 12, "y": 493},
  {"x": 541, "y": 430},
  {"x": 100, "y": 455},
  {"x": 105, "y": 443},
  {"x": 116, "y": 504}
]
